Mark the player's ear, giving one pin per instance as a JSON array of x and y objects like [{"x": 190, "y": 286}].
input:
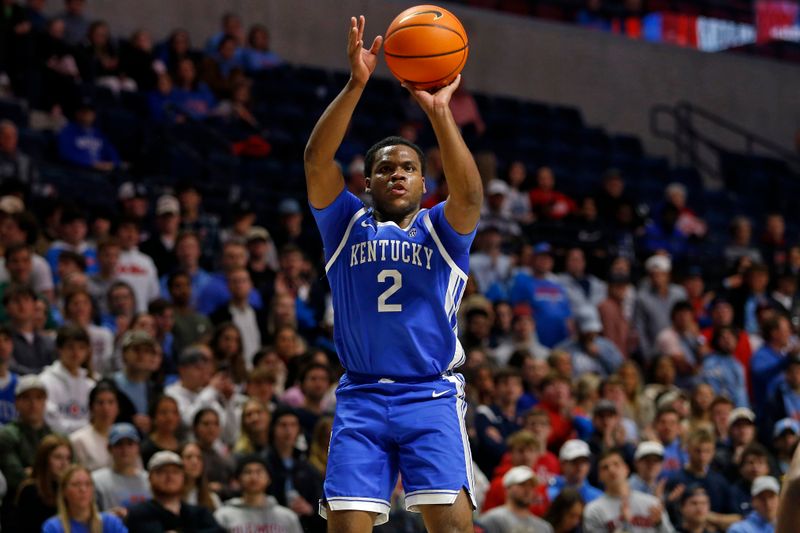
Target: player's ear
[
  {"x": 367, "y": 180},
  {"x": 424, "y": 189}
]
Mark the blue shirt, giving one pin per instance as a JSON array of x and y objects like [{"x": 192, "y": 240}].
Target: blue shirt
[
  {"x": 674, "y": 457},
  {"x": 111, "y": 524},
  {"x": 255, "y": 60},
  {"x": 791, "y": 400},
  {"x": 587, "y": 491},
  {"x": 754, "y": 523},
  {"x": 85, "y": 146},
  {"x": 766, "y": 372},
  {"x": 196, "y": 103},
  {"x": 549, "y": 303},
  {"x": 8, "y": 409},
  {"x": 216, "y": 294},
  {"x": 725, "y": 374},
  {"x": 88, "y": 252},
  {"x": 199, "y": 281},
  {"x": 396, "y": 291},
  {"x": 715, "y": 484},
  {"x": 608, "y": 360},
  {"x": 136, "y": 392}
]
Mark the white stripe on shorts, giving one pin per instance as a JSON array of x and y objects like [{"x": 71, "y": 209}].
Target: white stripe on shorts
[{"x": 370, "y": 505}]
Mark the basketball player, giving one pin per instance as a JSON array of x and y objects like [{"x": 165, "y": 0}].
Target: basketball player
[{"x": 397, "y": 274}]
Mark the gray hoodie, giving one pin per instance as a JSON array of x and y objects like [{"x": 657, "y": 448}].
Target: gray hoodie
[{"x": 237, "y": 517}]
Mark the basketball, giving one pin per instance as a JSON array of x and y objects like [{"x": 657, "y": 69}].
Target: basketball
[{"x": 426, "y": 46}]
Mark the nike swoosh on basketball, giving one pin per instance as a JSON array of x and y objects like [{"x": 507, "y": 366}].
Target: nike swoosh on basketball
[
  {"x": 440, "y": 393},
  {"x": 436, "y": 15}
]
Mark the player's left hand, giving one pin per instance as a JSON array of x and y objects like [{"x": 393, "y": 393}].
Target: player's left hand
[{"x": 440, "y": 99}]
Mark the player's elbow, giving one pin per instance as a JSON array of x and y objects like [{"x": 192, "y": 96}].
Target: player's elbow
[{"x": 310, "y": 155}]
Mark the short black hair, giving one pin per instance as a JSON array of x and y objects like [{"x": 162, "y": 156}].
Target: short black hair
[
  {"x": 609, "y": 452},
  {"x": 753, "y": 449},
  {"x": 394, "y": 140},
  {"x": 71, "y": 333},
  {"x": 177, "y": 274},
  {"x": 18, "y": 291},
  {"x": 679, "y": 307},
  {"x": 26, "y": 221},
  {"x": 68, "y": 256},
  {"x": 280, "y": 412},
  {"x": 104, "y": 385},
  {"x": 16, "y": 247},
  {"x": 203, "y": 412},
  {"x": 306, "y": 370},
  {"x": 158, "y": 306},
  {"x": 248, "y": 460}
]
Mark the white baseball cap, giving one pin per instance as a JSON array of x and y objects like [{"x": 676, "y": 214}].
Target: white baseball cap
[
  {"x": 658, "y": 263},
  {"x": 741, "y": 413},
  {"x": 517, "y": 475},
  {"x": 763, "y": 483},
  {"x": 497, "y": 187},
  {"x": 574, "y": 449},
  {"x": 648, "y": 447}
]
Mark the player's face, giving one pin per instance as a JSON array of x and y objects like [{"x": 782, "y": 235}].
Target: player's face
[{"x": 396, "y": 182}]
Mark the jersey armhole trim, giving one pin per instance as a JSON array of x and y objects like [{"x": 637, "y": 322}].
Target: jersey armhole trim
[
  {"x": 346, "y": 235},
  {"x": 442, "y": 250}
]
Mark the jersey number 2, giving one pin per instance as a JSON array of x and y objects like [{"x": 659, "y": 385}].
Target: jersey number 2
[{"x": 397, "y": 282}]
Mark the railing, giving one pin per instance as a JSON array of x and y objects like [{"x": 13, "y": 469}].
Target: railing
[{"x": 701, "y": 136}]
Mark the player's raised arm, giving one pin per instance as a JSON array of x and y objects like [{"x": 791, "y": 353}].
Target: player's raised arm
[
  {"x": 463, "y": 206},
  {"x": 323, "y": 177}
]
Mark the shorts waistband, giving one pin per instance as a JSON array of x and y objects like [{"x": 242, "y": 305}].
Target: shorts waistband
[{"x": 356, "y": 377}]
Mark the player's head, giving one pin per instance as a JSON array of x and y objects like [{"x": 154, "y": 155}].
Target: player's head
[{"x": 394, "y": 169}]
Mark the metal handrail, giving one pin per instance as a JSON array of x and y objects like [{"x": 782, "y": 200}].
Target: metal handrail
[{"x": 694, "y": 146}]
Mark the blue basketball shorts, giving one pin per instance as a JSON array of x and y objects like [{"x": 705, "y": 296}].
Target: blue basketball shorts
[{"x": 384, "y": 427}]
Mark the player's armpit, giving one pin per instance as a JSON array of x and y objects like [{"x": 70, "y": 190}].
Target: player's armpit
[{"x": 462, "y": 216}]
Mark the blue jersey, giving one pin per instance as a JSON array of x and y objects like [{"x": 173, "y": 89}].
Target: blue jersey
[
  {"x": 396, "y": 291},
  {"x": 8, "y": 408}
]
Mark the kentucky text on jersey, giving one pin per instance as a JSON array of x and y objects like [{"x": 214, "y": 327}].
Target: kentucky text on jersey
[
  {"x": 395, "y": 291},
  {"x": 390, "y": 250}
]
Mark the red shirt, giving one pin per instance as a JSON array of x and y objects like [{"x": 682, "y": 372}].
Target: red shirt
[
  {"x": 562, "y": 429},
  {"x": 551, "y": 204},
  {"x": 546, "y": 466}
]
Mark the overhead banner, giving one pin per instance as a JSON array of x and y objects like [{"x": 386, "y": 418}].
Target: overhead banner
[{"x": 777, "y": 20}]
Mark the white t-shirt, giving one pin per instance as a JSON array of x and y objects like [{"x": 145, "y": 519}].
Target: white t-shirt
[
  {"x": 116, "y": 490},
  {"x": 138, "y": 270},
  {"x": 90, "y": 448},
  {"x": 41, "y": 275},
  {"x": 603, "y": 515},
  {"x": 245, "y": 320}
]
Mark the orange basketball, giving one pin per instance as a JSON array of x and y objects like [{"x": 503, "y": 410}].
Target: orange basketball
[{"x": 426, "y": 46}]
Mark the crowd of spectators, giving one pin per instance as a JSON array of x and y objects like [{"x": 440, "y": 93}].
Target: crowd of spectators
[{"x": 161, "y": 369}]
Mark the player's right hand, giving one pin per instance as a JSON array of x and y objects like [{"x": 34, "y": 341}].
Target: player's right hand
[{"x": 362, "y": 60}]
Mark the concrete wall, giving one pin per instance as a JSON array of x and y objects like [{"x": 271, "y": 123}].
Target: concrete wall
[{"x": 613, "y": 80}]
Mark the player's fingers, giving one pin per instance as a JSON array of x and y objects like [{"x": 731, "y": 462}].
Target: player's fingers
[
  {"x": 361, "y": 24},
  {"x": 450, "y": 89},
  {"x": 376, "y": 45},
  {"x": 352, "y": 35}
]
